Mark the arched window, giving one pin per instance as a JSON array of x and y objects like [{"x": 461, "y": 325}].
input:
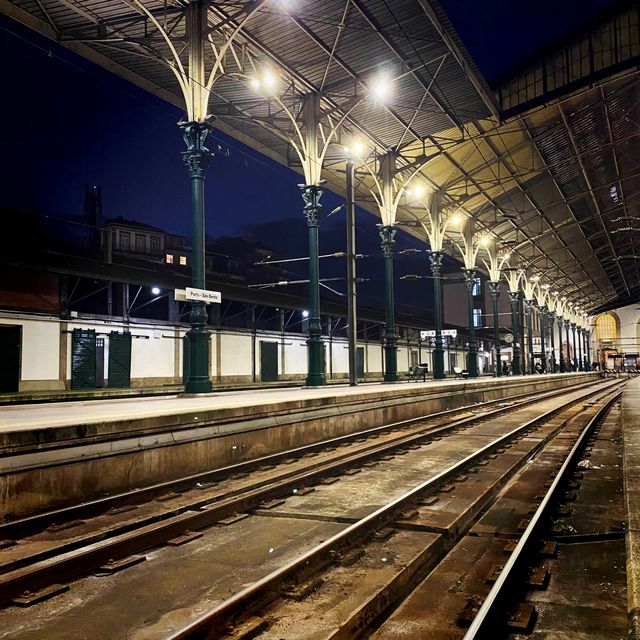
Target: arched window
[{"x": 606, "y": 328}]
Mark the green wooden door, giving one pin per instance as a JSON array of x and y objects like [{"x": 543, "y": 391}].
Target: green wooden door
[
  {"x": 119, "y": 359},
  {"x": 83, "y": 359},
  {"x": 268, "y": 361}
]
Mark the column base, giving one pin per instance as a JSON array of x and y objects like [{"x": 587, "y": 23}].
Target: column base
[
  {"x": 438, "y": 365},
  {"x": 197, "y": 362},
  {"x": 390, "y": 377},
  {"x": 315, "y": 371}
]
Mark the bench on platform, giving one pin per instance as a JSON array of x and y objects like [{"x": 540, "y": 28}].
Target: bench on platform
[
  {"x": 418, "y": 372},
  {"x": 461, "y": 373}
]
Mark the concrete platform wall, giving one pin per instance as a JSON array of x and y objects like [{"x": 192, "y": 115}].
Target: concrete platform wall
[{"x": 54, "y": 466}]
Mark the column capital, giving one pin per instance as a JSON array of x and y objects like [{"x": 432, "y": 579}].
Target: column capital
[
  {"x": 435, "y": 258},
  {"x": 311, "y": 194},
  {"x": 494, "y": 289},
  {"x": 469, "y": 278},
  {"x": 197, "y": 157},
  {"x": 387, "y": 238}
]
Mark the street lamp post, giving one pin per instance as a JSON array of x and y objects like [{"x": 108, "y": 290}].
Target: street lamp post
[
  {"x": 494, "y": 289},
  {"x": 352, "y": 333}
]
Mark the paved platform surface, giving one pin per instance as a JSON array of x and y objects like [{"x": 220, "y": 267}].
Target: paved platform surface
[
  {"x": 631, "y": 434},
  {"x": 39, "y": 416}
]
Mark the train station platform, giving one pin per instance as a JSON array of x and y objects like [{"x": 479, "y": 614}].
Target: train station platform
[
  {"x": 631, "y": 469},
  {"x": 62, "y": 453}
]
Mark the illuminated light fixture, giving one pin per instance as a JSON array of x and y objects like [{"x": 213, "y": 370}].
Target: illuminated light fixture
[
  {"x": 456, "y": 219},
  {"x": 269, "y": 79},
  {"x": 484, "y": 241},
  {"x": 354, "y": 150},
  {"x": 546, "y": 286},
  {"x": 507, "y": 255},
  {"x": 554, "y": 293},
  {"x": 380, "y": 88},
  {"x": 305, "y": 314},
  {"x": 155, "y": 291},
  {"x": 534, "y": 278},
  {"x": 418, "y": 191},
  {"x": 255, "y": 83}
]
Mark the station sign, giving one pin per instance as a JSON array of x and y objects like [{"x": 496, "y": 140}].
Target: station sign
[
  {"x": 431, "y": 333},
  {"x": 203, "y": 295}
]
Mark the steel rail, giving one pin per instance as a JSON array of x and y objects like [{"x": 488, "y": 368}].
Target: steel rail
[
  {"x": 80, "y": 556},
  {"x": 29, "y": 524},
  {"x": 230, "y": 502},
  {"x": 491, "y": 607},
  {"x": 215, "y": 621}
]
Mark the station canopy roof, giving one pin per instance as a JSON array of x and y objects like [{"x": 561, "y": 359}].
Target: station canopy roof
[{"x": 547, "y": 163}]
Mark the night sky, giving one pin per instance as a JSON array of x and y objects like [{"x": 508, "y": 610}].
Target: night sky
[{"x": 67, "y": 123}]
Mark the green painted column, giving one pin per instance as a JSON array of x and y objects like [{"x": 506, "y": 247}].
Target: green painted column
[
  {"x": 472, "y": 356},
  {"x": 552, "y": 323},
  {"x": 580, "y": 360},
  {"x": 514, "y": 299},
  {"x": 435, "y": 258},
  {"x": 529, "y": 309},
  {"x": 311, "y": 195},
  {"x": 563, "y": 367},
  {"x": 543, "y": 329},
  {"x": 576, "y": 362},
  {"x": 587, "y": 345},
  {"x": 387, "y": 235},
  {"x": 568, "y": 364},
  {"x": 197, "y": 158},
  {"x": 494, "y": 289}
]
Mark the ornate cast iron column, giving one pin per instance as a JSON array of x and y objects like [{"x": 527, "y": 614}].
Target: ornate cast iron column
[
  {"x": 587, "y": 345},
  {"x": 197, "y": 158},
  {"x": 562, "y": 365},
  {"x": 576, "y": 362},
  {"x": 543, "y": 328},
  {"x": 311, "y": 195},
  {"x": 552, "y": 322},
  {"x": 472, "y": 356},
  {"x": 529, "y": 309},
  {"x": 569, "y": 364},
  {"x": 494, "y": 289},
  {"x": 580, "y": 361},
  {"x": 435, "y": 258},
  {"x": 514, "y": 298},
  {"x": 387, "y": 235}
]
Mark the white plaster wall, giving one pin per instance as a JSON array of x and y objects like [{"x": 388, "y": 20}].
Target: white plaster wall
[
  {"x": 340, "y": 354},
  {"x": 40, "y": 349},
  {"x": 236, "y": 355},
  {"x": 374, "y": 358},
  {"x": 295, "y": 355},
  {"x": 151, "y": 357}
]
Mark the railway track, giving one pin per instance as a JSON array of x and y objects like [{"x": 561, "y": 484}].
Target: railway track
[
  {"x": 91, "y": 544},
  {"x": 251, "y": 611}
]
